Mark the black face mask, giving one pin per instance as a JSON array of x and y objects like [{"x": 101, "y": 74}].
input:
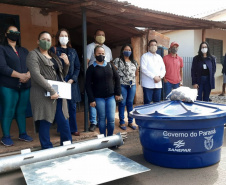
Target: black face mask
[
  {"x": 13, "y": 36},
  {"x": 100, "y": 58}
]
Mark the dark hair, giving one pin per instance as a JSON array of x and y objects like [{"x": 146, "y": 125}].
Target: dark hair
[
  {"x": 58, "y": 35},
  {"x": 43, "y": 32},
  {"x": 130, "y": 57},
  {"x": 98, "y": 30},
  {"x": 97, "y": 47},
  {"x": 152, "y": 40},
  {"x": 200, "y": 54},
  {"x": 5, "y": 41}
]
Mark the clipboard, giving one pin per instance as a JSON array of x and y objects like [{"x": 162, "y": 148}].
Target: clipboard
[{"x": 62, "y": 88}]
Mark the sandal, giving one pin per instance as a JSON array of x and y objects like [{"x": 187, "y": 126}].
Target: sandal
[
  {"x": 122, "y": 127},
  {"x": 132, "y": 126}
]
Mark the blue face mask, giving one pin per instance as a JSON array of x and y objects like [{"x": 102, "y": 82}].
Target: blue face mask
[{"x": 127, "y": 53}]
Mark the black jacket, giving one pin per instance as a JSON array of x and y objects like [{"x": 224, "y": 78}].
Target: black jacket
[
  {"x": 224, "y": 65},
  {"x": 73, "y": 72},
  {"x": 9, "y": 61},
  {"x": 197, "y": 66},
  {"x": 102, "y": 82}
]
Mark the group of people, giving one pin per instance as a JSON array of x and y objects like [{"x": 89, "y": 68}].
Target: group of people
[
  {"x": 24, "y": 75},
  {"x": 108, "y": 81},
  {"x": 154, "y": 69}
]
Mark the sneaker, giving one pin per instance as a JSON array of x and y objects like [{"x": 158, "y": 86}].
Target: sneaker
[
  {"x": 92, "y": 127},
  {"x": 7, "y": 141},
  {"x": 25, "y": 137}
]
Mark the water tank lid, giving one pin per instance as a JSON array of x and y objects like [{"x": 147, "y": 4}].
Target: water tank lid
[{"x": 179, "y": 110}]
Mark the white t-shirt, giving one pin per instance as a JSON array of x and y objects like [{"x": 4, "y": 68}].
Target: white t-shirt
[
  {"x": 151, "y": 65},
  {"x": 90, "y": 53}
]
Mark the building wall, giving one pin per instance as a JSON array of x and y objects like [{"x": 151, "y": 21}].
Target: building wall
[
  {"x": 221, "y": 16},
  {"x": 162, "y": 40},
  {"x": 185, "y": 39},
  {"x": 220, "y": 35},
  {"x": 32, "y": 22},
  {"x": 116, "y": 52},
  {"x": 197, "y": 41}
]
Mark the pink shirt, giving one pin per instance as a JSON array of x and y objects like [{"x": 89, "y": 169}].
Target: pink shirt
[{"x": 173, "y": 66}]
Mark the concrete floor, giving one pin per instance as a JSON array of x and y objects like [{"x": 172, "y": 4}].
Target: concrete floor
[{"x": 212, "y": 175}]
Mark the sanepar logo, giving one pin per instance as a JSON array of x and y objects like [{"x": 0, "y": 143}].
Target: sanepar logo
[
  {"x": 179, "y": 144},
  {"x": 177, "y": 148}
]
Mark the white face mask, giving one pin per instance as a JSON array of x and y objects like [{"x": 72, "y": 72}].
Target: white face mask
[
  {"x": 204, "y": 50},
  {"x": 153, "y": 49},
  {"x": 63, "y": 41}
]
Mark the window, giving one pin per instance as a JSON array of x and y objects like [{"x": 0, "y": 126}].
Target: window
[{"x": 216, "y": 49}]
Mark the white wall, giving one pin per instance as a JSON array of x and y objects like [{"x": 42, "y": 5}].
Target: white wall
[
  {"x": 185, "y": 39},
  {"x": 197, "y": 40}
]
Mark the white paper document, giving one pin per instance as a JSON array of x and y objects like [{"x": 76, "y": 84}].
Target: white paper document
[{"x": 62, "y": 88}]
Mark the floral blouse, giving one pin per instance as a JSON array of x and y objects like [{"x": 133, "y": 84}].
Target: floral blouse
[{"x": 126, "y": 71}]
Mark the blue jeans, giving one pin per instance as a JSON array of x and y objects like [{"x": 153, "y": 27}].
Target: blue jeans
[
  {"x": 168, "y": 88},
  {"x": 72, "y": 116},
  {"x": 152, "y": 95},
  {"x": 92, "y": 115},
  {"x": 204, "y": 89},
  {"x": 106, "y": 109},
  {"x": 63, "y": 126},
  {"x": 128, "y": 97}
]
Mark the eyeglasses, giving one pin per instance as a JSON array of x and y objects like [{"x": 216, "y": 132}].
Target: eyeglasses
[{"x": 13, "y": 32}]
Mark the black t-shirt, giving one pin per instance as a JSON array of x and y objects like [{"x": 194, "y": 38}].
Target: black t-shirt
[
  {"x": 56, "y": 67},
  {"x": 205, "y": 69}
]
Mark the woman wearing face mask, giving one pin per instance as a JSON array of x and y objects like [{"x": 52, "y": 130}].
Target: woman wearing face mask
[
  {"x": 103, "y": 88},
  {"x": 14, "y": 85},
  {"x": 63, "y": 47},
  {"x": 44, "y": 65},
  {"x": 127, "y": 69},
  {"x": 202, "y": 72}
]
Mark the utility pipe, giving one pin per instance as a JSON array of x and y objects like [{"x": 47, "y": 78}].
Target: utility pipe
[{"x": 14, "y": 162}]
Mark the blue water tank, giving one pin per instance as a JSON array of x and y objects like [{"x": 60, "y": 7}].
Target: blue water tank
[{"x": 181, "y": 135}]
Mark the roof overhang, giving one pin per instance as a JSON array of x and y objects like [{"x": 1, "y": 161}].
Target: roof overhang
[{"x": 116, "y": 18}]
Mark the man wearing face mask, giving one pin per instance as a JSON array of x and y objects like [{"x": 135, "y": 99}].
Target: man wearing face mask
[
  {"x": 99, "y": 38},
  {"x": 174, "y": 71},
  {"x": 152, "y": 71}
]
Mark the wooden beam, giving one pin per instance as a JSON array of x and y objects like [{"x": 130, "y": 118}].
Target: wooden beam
[{"x": 203, "y": 35}]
